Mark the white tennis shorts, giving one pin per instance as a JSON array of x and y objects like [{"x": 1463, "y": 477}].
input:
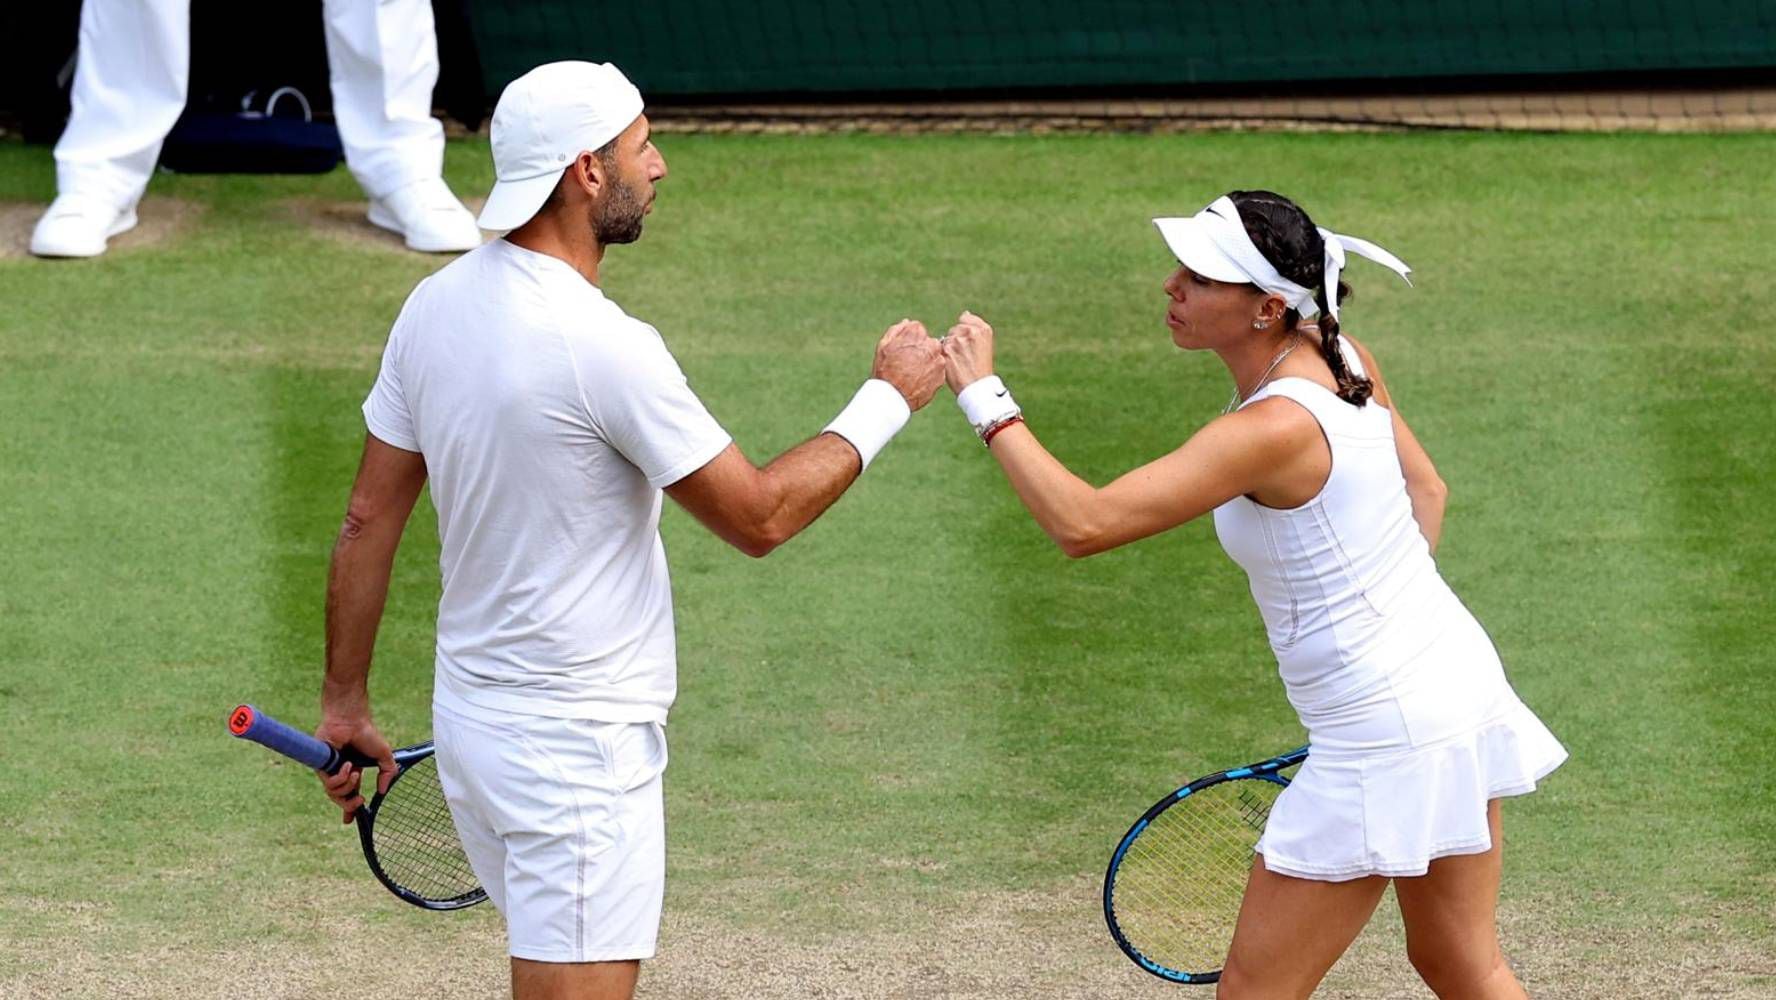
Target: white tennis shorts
[{"x": 563, "y": 823}]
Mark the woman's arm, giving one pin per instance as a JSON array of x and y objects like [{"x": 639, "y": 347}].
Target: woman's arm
[
  {"x": 1270, "y": 443},
  {"x": 1240, "y": 453},
  {"x": 1424, "y": 487}
]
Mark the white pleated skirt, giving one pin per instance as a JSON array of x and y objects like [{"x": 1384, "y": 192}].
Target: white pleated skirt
[{"x": 1392, "y": 814}]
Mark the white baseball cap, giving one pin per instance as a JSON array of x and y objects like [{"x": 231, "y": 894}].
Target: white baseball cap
[{"x": 544, "y": 119}]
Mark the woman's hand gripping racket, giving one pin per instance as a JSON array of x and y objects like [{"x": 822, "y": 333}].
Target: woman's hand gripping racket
[
  {"x": 1172, "y": 892},
  {"x": 408, "y": 836}
]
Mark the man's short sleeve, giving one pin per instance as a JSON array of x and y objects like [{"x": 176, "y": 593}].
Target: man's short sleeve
[
  {"x": 641, "y": 402},
  {"x": 385, "y": 410}
]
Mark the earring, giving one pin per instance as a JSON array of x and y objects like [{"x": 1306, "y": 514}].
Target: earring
[{"x": 1260, "y": 325}]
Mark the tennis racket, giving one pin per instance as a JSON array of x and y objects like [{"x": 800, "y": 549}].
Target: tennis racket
[
  {"x": 1172, "y": 892},
  {"x": 408, "y": 836}
]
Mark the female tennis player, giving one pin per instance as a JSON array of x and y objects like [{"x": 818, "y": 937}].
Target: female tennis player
[{"x": 1322, "y": 494}]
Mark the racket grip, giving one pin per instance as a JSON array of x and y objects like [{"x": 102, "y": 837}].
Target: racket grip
[{"x": 249, "y": 723}]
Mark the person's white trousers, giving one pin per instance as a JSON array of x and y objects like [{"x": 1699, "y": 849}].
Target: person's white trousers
[{"x": 134, "y": 66}]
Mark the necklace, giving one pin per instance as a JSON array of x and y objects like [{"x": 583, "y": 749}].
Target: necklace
[{"x": 1233, "y": 404}]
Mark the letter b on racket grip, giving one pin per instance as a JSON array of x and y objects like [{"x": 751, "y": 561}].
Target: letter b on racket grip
[{"x": 1173, "y": 888}]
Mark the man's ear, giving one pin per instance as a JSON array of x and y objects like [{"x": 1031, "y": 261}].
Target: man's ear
[{"x": 589, "y": 174}]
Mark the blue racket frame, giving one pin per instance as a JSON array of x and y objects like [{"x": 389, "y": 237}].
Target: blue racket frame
[{"x": 1267, "y": 770}]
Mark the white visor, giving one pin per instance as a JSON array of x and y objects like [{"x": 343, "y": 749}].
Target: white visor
[
  {"x": 1190, "y": 241},
  {"x": 1214, "y": 244}
]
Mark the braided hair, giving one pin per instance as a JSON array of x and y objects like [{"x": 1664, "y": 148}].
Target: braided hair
[{"x": 1287, "y": 238}]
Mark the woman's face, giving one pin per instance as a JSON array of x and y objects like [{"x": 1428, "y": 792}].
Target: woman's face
[{"x": 1205, "y": 314}]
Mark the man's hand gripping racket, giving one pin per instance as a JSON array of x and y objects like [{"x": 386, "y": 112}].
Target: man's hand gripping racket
[
  {"x": 361, "y": 748},
  {"x": 408, "y": 837}
]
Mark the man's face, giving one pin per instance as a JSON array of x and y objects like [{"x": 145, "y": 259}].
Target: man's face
[{"x": 632, "y": 168}]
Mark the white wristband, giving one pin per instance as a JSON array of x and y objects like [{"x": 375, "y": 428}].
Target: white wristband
[
  {"x": 986, "y": 402},
  {"x": 871, "y": 419}
]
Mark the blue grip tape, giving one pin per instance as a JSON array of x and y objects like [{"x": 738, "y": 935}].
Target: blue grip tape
[{"x": 249, "y": 723}]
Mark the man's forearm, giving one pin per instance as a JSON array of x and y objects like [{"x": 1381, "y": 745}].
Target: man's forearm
[
  {"x": 807, "y": 479},
  {"x": 804, "y": 481},
  {"x": 757, "y": 509},
  {"x": 357, "y": 588}
]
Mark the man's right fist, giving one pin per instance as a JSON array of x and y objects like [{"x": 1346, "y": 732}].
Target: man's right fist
[{"x": 908, "y": 359}]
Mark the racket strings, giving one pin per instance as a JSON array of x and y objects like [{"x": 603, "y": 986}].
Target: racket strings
[
  {"x": 1177, "y": 892},
  {"x": 415, "y": 838}
]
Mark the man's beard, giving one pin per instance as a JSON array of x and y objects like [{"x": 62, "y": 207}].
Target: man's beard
[{"x": 618, "y": 218}]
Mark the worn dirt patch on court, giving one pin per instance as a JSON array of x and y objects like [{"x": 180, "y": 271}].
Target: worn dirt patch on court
[
  {"x": 975, "y": 946},
  {"x": 347, "y": 222},
  {"x": 159, "y": 221},
  {"x": 1004, "y": 945}
]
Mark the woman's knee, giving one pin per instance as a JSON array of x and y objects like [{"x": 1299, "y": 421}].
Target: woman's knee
[
  {"x": 1239, "y": 982},
  {"x": 1456, "y": 971},
  {"x": 1234, "y": 983}
]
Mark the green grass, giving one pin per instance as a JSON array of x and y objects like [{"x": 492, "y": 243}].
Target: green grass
[{"x": 920, "y": 696}]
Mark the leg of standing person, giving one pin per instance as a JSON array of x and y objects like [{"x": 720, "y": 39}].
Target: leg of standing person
[
  {"x": 383, "y": 63},
  {"x": 633, "y": 886},
  {"x": 486, "y": 850},
  {"x": 573, "y": 981},
  {"x": 1291, "y": 930},
  {"x": 1451, "y": 915},
  {"x": 130, "y": 80},
  {"x": 563, "y": 822}
]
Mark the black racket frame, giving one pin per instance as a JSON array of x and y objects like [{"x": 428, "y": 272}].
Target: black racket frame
[{"x": 405, "y": 758}]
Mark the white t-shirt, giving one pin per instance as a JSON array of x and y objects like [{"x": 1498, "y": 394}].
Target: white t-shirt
[{"x": 549, "y": 420}]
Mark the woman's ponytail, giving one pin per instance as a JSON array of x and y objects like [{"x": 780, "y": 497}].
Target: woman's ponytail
[
  {"x": 1287, "y": 238},
  {"x": 1352, "y": 388}
]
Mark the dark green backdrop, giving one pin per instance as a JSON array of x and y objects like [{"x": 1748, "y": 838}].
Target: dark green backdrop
[{"x": 709, "y": 47}]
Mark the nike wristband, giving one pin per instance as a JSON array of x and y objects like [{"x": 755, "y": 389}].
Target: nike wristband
[
  {"x": 986, "y": 403},
  {"x": 871, "y": 419}
]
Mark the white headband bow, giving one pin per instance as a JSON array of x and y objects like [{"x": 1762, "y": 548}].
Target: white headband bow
[{"x": 1214, "y": 243}]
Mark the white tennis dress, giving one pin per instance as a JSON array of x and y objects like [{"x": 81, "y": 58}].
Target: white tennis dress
[{"x": 1411, "y": 723}]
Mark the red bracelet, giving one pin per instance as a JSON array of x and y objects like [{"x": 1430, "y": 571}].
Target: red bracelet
[{"x": 993, "y": 431}]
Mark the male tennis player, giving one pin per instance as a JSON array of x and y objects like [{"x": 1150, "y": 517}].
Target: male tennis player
[{"x": 548, "y": 422}]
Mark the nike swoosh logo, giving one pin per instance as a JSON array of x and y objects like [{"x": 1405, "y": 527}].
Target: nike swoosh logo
[{"x": 1002, "y": 392}]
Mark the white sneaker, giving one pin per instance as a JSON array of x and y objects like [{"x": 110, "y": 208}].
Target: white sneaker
[
  {"x": 428, "y": 216},
  {"x": 78, "y": 225}
]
